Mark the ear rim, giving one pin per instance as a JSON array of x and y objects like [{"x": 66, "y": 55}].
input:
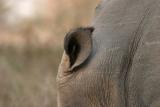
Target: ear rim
[{"x": 72, "y": 34}]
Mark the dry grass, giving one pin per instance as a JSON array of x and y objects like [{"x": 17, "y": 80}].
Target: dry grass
[{"x": 27, "y": 77}]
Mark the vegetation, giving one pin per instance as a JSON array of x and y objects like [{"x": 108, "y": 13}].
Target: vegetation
[{"x": 27, "y": 77}]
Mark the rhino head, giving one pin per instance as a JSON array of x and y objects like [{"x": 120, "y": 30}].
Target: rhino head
[{"x": 114, "y": 63}]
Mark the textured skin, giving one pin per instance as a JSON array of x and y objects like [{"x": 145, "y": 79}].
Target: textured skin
[{"x": 124, "y": 67}]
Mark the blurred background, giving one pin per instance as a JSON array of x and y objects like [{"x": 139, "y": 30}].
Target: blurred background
[{"x": 31, "y": 46}]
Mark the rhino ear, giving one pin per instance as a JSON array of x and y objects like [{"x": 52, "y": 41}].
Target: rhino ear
[{"x": 78, "y": 46}]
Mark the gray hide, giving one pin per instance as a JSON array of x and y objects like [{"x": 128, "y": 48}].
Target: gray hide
[{"x": 123, "y": 66}]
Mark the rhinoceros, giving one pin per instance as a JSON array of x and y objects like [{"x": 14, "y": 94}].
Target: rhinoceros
[{"x": 115, "y": 62}]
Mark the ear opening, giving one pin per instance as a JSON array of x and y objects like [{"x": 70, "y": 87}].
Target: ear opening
[
  {"x": 78, "y": 46},
  {"x": 72, "y": 49}
]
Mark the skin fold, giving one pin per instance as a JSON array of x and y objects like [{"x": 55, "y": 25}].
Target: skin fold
[{"x": 118, "y": 63}]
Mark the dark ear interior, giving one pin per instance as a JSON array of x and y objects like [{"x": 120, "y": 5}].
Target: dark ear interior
[
  {"x": 72, "y": 48},
  {"x": 78, "y": 45}
]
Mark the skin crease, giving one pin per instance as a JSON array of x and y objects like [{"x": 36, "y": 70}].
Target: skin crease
[{"x": 123, "y": 67}]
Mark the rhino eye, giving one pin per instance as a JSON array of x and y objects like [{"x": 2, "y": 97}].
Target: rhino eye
[{"x": 78, "y": 45}]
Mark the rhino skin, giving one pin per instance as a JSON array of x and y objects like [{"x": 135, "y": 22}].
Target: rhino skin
[{"x": 118, "y": 63}]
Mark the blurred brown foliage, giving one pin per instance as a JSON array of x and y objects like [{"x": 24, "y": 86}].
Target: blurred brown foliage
[{"x": 30, "y": 50}]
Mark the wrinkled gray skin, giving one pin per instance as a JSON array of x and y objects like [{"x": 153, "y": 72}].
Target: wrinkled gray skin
[{"x": 123, "y": 66}]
